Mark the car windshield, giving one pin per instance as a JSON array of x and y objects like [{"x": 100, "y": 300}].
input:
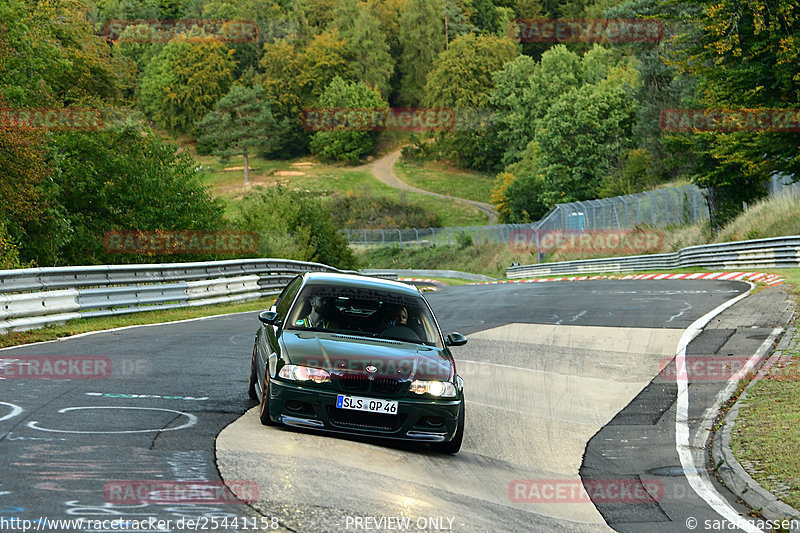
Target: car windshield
[{"x": 366, "y": 312}]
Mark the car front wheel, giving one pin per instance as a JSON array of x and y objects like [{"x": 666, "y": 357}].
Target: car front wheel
[
  {"x": 263, "y": 409},
  {"x": 251, "y": 384}
]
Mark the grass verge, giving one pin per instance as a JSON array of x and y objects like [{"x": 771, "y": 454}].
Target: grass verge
[
  {"x": 309, "y": 175},
  {"x": 766, "y": 436},
  {"x": 84, "y": 325},
  {"x": 436, "y": 177}
]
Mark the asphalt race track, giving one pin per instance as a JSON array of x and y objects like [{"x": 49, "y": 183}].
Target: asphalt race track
[{"x": 550, "y": 369}]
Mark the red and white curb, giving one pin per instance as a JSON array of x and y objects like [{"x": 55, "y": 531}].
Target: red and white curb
[{"x": 756, "y": 277}]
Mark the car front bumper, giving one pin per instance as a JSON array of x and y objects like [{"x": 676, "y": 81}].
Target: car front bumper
[{"x": 422, "y": 420}]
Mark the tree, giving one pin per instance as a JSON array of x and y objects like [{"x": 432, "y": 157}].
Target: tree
[
  {"x": 582, "y": 137},
  {"x": 241, "y": 120},
  {"x": 117, "y": 179},
  {"x": 462, "y": 79},
  {"x": 184, "y": 81},
  {"x": 47, "y": 63},
  {"x": 367, "y": 48},
  {"x": 422, "y": 38},
  {"x": 455, "y": 22},
  {"x": 347, "y": 145},
  {"x": 462, "y": 75},
  {"x": 280, "y": 70},
  {"x": 745, "y": 55},
  {"x": 319, "y": 63},
  {"x": 523, "y": 92}
]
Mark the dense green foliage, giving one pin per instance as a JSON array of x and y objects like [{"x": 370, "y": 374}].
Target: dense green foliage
[
  {"x": 293, "y": 225},
  {"x": 346, "y": 145},
  {"x": 184, "y": 81},
  {"x": 554, "y": 122}
]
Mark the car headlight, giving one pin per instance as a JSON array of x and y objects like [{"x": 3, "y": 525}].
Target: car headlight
[
  {"x": 304, "y": 373},
  {"x": 445, "y": 389}
]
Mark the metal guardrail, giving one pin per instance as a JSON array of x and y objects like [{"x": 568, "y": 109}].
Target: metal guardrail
[
  {"x": 456, "y": 274},
  {"x": 777, "y": 252},
  {"x": 36, "y": 297}
]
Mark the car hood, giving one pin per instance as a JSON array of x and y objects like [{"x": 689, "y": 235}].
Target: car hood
[{"x": 339, "y": 353}]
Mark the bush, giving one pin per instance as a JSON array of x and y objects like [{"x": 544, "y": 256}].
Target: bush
[
  {"x": 118, "y": 179},
  {"x": 368, "y": 211},
  {"x": 9, "y": 254},
  {"x": 464, "y": 240},
  {"x": 291, "y": 225}
]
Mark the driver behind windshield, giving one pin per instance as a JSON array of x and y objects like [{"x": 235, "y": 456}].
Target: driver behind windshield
[
  {"x": 318, "y": 317},
  {"x": 399, "y": 318}
]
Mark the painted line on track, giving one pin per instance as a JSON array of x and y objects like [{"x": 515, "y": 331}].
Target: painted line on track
[{"x": 698, "y": 479}]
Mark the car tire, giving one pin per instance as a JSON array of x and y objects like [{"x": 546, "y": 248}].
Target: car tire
[
  {"x": 454, "y": 444},
  {"x": 263, "y": 408},
  {"x": 251, "y": 383}
]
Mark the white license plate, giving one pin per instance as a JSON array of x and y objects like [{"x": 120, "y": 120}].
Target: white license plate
[{"x": 372, "y": 405}]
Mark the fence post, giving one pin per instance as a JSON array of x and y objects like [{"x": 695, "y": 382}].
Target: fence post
[
  {"x": 637, "y": 209},
  {"x": 652, "y": 209},
  {"x": 383, "y": 238},
  {"x": 400, "y": 234},
  {"x": 538, "y": 249},
  {"x": 433, "y": 232}
]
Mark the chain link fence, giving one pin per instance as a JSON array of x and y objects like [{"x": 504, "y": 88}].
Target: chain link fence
[
  {"x": 659, "y": 208},
  {"x": 673, "y": 206}
]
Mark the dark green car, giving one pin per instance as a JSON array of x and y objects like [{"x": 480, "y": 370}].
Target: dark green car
[{"x": 358, "y": 355}]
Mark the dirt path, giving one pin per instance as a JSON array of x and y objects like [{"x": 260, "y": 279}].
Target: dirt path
[{"x": 383, "y": 169}]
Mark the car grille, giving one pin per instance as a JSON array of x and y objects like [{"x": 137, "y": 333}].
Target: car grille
[
  {"x": 386, "y": 385},
  {"x": 353, "y": 382},
  {"x": 362, "y": 383},
  {"x": 362, "y": 420}
]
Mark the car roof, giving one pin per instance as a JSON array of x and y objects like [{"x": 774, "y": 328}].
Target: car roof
[{"x": 365, "y": 282}]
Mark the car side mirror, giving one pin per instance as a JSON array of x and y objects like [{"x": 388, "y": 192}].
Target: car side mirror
[
  {"x": 269, "y": 317},
  {"x": 455, "y": 339}
]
